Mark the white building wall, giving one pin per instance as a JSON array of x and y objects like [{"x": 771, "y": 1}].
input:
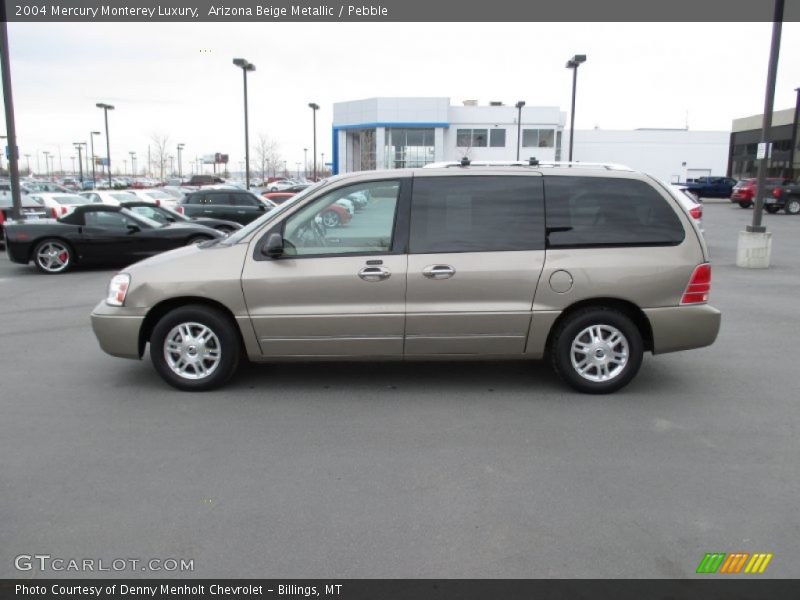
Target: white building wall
[{"x": 660, "y": 153}]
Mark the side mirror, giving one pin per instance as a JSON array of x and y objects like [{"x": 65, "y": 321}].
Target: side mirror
[
  {"x": 273, "y": 247},
  {"x": 133, "y": 229},
  {"x": 262, "y": 207}
]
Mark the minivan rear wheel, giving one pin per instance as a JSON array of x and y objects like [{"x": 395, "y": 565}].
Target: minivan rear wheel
[
  {"x": 597, "y": 350},
  {"x": 195, "y": 348}
]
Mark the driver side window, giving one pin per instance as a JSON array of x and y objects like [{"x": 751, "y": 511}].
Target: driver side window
[
  {"x": 112, "y": 220},
  {"x": 356, "y": 219}
]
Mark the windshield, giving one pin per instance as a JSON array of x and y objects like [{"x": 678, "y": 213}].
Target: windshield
[
  {"x": 71, "y": 200},
  {"x": 237, "y": 237},
  {"x": 159, "y": 195},
  {"x": 123, "y": 196},
  {"x": 142, "y": 219}
]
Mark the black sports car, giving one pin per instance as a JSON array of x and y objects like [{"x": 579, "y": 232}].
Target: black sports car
[
  {"x": 97, "y": 234},
  {"x": 163, "y": 214}
]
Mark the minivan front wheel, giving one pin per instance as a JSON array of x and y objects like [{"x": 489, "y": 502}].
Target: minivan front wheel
[
  {"x": 597, "y": 350},
  {"x": 195, "y": 348}
]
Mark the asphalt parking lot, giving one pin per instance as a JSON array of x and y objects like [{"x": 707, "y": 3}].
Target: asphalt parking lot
[{"x": 406, "y": 470}]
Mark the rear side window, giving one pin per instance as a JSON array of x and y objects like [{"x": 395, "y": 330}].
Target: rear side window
[
  {"x": 600, "y": 211},
  {"x": 243, "y": 200},
  {"x": 477, "y": 214},
  {"x": 194, "y": 199},
  {"x": 219, "y": 199}
]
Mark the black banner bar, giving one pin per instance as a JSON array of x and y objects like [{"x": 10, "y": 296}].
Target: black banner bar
[
  {"x": 394, "y": 11},
  {"x": 731, "y": 588}
]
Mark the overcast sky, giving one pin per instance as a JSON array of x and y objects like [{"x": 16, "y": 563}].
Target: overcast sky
[{"x": 178, "y": 79}]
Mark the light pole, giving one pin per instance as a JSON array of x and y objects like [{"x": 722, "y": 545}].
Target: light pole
[
  {"x": 305, "y": 163},
  {"x": 298, "y": 169},
  {"x": 133, "y": 163},
  {"x": 72, "y": 158},
  {"x": 245, "y": 66},
  {"x": 80, "y": 160},
  {"x": 519, "y": 106},
  {"x": 106, "y": 108},
  {"x": 46, "y": 162},
  {"x": 314, "y": 108},
  {"x": 91, "y": 141},
  {"x": 180, "y": 161},
  {"x": 573, "y": 64},
  {"x": 322, "y": 162},
  {"x": 28, "y": 163}
]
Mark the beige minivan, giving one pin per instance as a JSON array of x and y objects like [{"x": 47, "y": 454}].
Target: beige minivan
[{"x": 589, "y": 266}]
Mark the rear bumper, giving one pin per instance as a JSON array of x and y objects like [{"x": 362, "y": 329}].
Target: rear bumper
[
  {"x": 683, "y": 327},
  {"x": 118, "y": 334}
]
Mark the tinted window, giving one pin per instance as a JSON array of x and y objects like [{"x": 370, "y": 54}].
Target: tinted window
[
  {"x": 194, "y": 199},
  {"x": 219, "y": 199},
  {"x": 243, "y": 200},
  {"x": 477, "y": 214},
  {"x": 598, "y": 211}
]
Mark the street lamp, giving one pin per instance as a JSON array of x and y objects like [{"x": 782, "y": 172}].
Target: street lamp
[
  {"x": 298, "y": 169},
  {"x": 314, "y": 108},
  {"x": 80, "y": 160},
  {"x": 305, "y": 163},
  {"x": 245, "y": 67},
  {"x": 46, "y": 162},
  {"x": 133, "y": 163},
  {"x": 106, "y": 108},
  {"x": 91, "y": 141},
  {"x": 519, "y": 106},
  {"x": 573, "y": 64},
  {"x": 180, "y": 162}
]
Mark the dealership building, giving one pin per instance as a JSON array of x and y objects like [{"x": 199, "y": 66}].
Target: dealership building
[
  {"x": 393, "y": 133},
  {"x": 784, "y": 138}
]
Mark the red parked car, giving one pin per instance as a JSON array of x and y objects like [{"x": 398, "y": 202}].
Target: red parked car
[
  {"x": 744, "y": 192},
  {"x": 277, "y": 197}
]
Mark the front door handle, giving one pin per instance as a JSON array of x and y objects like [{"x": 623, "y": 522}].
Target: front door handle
[
  {"x": 374, "y": 273},
  {"x": 438, "y": 272}
]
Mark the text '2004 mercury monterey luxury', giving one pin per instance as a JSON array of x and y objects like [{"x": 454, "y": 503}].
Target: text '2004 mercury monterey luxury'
[{"x": 590, "y": 266}]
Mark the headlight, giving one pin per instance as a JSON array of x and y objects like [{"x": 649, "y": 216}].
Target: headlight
[{"x": 118, "y": 289}]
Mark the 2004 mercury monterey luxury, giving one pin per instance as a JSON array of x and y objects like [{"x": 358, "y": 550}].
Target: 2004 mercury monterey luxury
[{"x": 589, "y": 266}]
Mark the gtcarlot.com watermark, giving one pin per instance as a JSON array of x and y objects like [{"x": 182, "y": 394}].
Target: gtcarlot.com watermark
[{"x": 46, "y": 563}]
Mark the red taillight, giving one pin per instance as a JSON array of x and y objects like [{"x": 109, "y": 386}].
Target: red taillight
[
  {"x": 777, "y": 192},
  {"x": 699, "y": 285},
  {"x": 63, "y": 210},
  {"x": 54, "y": 212},
  {"x": 2, "y": 217},
  {"x": 180, "y": 209},
  {"x": 696, "y": 212},
  {"x": 158, "y": 202}
]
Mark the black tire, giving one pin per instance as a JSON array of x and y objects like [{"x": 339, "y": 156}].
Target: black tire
[
  {"x": 771, "y": 209},
  {"x": 330, "y": 218},
  {"x": 226, "y": 341},
  {"x": 569, "y": 332},
  {"x": 53, "y": 256},
  {"x": 792, "y": 206},
  {"x": 743, "y": 204}
]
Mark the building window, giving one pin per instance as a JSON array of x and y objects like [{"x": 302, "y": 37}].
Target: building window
[
  {"x": 471, "y": 138},
  {"x": 364, "y": 150},
  {"x": 409, "y": 148},
  {"x": 538, "y": 138},
  {"x": 558, "y": 145},
  {"x": 497, "y": 138}
]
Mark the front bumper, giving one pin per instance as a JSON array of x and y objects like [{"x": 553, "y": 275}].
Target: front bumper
[
  {"x": 683, "y": 327},
  {"x": 116, "y": 331}
]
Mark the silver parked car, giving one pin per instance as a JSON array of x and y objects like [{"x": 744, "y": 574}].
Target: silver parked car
[{"x": 589, "y": 266}]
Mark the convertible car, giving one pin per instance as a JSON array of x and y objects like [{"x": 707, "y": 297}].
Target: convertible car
[{"x": 97, "y": 234}]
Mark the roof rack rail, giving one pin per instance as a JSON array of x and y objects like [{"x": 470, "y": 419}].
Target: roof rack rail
[{"x": 531, "y": 162}]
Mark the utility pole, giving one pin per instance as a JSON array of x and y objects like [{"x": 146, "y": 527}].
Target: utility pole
[{"x": 11, "y": 129}]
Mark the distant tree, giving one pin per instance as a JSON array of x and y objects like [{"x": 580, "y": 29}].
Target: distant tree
[
  {"x": 268, "y": 155},
  {"x": 160, "y": 154}
]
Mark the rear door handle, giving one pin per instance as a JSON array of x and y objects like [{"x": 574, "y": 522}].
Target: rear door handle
[
  {"x": 374, "y": 273},
  {"x": 438, "y": 271}
]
